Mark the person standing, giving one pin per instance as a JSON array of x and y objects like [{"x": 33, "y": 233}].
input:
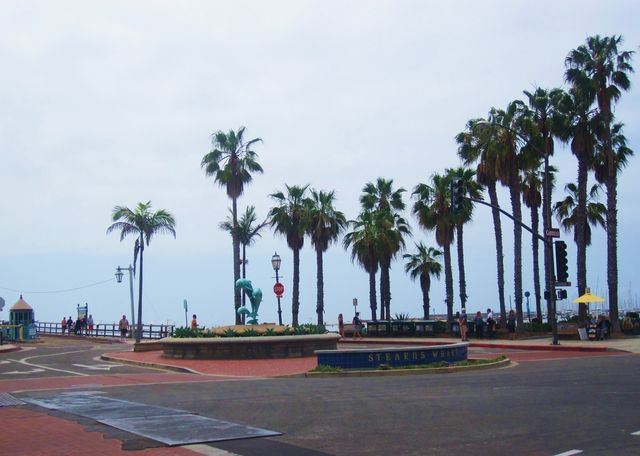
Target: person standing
[
  {"x": 90, "y": 324},
  {"x": 123, "y": 326},
  {"x": 194, "y": 323},
  {"x": 357, "y": 326},
  {"x": 69, "y": 325},
  {"x": 511, "y": 325},
  {"x": 462, "y": 321},
  {"x": 64, "y": 325},
  {"x": 340, "y": 325},
  {"x": 479, "y": 324}
]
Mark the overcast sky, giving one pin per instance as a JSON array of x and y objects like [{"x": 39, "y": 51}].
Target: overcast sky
[{"x": 113, "y": 103}]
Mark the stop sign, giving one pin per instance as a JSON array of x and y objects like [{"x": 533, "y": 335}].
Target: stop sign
[{"x": 278, "y": 289}]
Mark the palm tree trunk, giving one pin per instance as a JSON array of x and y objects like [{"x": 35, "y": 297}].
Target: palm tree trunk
[
  {"x": 612, "y": 246},
  {"x": 139, "y": 328},
  {"x": 497, "y": 229},
  {"x": 236, "y": 260},
  {"x": 320, "y": 287},
  {"x": 383, "y": 307},
  {"x": 448, "y": 280},
  {"x": 581, "y": 245},
  {"x": 425, "y": 285},
  {"x": 517, "y": 254},
  {"x": 372, "y": 295},
  {"x": 295, "y": 296},
  {"x": 385, "y": 295},
  {"x": 244, "y": 276},
  {"x": 461, "y": 278},
  {"x": 535, "y": 224}
]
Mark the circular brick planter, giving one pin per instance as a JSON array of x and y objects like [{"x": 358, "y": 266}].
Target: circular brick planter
[{"x": 248, "y": 347}]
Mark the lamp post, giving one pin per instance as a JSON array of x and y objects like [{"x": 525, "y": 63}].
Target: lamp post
[
  {"x": 119, "y": 275},
  {"x": 275, "y": 263},
  {"x": 355, "y": 306}
]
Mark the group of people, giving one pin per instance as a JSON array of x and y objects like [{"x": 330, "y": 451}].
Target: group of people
[
  {"x": 81, "y": 326},
  {"x": 357, "y": 326},
  {"x": 480, "y": 323}
]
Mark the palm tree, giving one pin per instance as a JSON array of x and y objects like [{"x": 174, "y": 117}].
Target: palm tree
[
  {"x": 324, "y": 227},
  {"x": 290, "y": 219},
  {"x": 144, "y": 224},
  {"x": 543, "y": 121},
  {"x": 583, "y": 126},
  {"x": 567, "y": 212},
  {"x": 473, "y": 190},
  {"x": 363, "y": 240},
  {"x": 432, "y": 208},
  {"x": 474, "y": 145},
  {"x": 532, "y": 198},
  {"x": 600, "y": 68},
  {"x": 422, "y": 265},
  {"x": 386, "y": 204},
  {"x": 231, "y": 162},
  {"x": 247, "y": 233},
  {"x": 506, "y": 127}
]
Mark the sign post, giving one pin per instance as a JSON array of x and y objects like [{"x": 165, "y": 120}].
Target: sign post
[{"x": 186, "y": 310}]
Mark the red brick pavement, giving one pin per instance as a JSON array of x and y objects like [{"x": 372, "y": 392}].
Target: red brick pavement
[
  {"x": 234, "y": 368},
  {"x": 29, "y": 433}
]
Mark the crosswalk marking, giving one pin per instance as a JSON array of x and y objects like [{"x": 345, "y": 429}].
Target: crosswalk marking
[{"x": 569, "y": 453}]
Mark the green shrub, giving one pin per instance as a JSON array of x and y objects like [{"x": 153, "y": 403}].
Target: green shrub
[
  {"x": 325, "y": 368},
  {"x": 229, "y": 333},
  {"x": 185, "y": 332},
  {"x": 270, "y": 332},
  {"x": 402, "y": 316},
  {"x": 249, "y": 332}
]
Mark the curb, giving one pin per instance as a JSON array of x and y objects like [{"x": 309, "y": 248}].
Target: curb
[
  {"x": 9, "y": 348},
  {"x": 182, "y": 370},
  {"x": 402, "y": 372}
]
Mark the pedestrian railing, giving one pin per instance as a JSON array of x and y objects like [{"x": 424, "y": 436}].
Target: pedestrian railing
[{"x": 107, "y": 330}]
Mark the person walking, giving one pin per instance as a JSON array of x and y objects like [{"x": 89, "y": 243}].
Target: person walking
[
  {"x": 64, "y": 325},
  {"x": 90, "y": 324},
  {"x": 123, "y": 326},
  {"x": 357, "y": 326},
  {"x": 340, "y": 325},
  {"x": 511, "y": 325},
  {"x": 69, "y": 325},
  {"x": 462, "y": 321}
]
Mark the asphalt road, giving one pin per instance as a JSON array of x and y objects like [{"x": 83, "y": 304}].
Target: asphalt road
[{"x": 547, "y": 407}]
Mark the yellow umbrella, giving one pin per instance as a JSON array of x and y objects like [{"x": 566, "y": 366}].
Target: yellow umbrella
[{"x": 588, "y": 297}]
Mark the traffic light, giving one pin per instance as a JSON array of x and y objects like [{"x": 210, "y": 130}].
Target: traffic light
[
  {"x": 561, "y": 294},
  {"x": 457, "y": 195},
  {"x": 562, "y": 266}
]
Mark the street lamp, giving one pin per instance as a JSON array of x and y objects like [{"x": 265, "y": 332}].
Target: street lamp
[
  {"x": 355, "y": 306},
  {"x": 119, "y": 275},
  {"x": 275, "y": 263}
]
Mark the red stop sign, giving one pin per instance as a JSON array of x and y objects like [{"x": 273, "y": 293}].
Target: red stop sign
[{"x": 278, "y": 289}]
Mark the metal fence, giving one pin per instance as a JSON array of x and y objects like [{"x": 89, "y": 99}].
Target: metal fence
[{"x": 108, "y": 330}]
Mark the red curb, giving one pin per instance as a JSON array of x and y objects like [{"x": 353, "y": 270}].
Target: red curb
[{"x": 9, "y": 350}]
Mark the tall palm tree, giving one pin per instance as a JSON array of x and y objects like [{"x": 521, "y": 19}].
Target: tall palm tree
[
  {"x": 532, "y": 198},
  {"x": 422, "y": 265},
  {"x": 583, "y": 125},
  {"x": 363, "y": 240},
  {"x": 543, "y": 121},
  {"x": 386, "y": 203},
  {"x": 247, "y": 233},
  {"x": 567, "y": 213},
  {"x": 231, "y": 162},
  {"x": 601, "y": 68},
  {"x": 505, "y": 131},
  {"x": 324, "y": 227},
  {"x": 432, "y": 209},
  {"x": 473, "y": 190},
  {"x": 290, "y": 219},
  {"x": 474, "y": 145},
  {"x": 144, "y": 224}
]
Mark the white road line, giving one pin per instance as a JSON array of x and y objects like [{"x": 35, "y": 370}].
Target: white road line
[
  {"x": 25, "y": 362},
  {"x": 104, "y": 367},
  {"x": 569, "y": 453},
  {"x": 23, "y": 372},
  {"x": 635, "y": 433}
]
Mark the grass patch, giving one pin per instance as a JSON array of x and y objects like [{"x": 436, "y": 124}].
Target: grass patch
[{"x": 322, "y": 368}]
